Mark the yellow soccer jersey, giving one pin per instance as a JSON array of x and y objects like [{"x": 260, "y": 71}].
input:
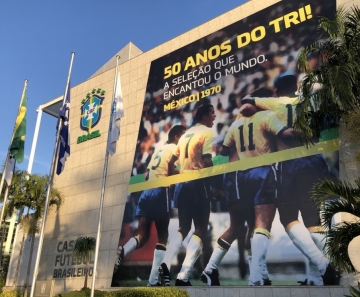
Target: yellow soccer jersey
[
  {"x": 158, "y": 166},
  {"x": 254, "y": 136},
  {"x": 192, "y": 146},
  {"x": 283, "y": 107}
]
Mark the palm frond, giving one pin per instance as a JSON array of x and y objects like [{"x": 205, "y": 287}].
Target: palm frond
[
  {"x": 346, "y": 190},
  {"x": 83, "y": 246},
  {"x": 337, "y": 242}
]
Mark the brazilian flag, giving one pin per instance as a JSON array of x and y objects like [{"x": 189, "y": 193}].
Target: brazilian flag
[{"x": 18, "y": 143}]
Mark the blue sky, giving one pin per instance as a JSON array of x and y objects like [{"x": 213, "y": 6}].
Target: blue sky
[{"x": 37, "y": 38}]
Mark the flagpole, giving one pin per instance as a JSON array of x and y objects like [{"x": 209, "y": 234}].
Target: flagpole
[
  {"x": 1, "y": 222},
  {"x": 103, "y": 188},
  {"x": 34, "y": 141},
  {"x": 48, "y": 191},
  {"x": 12, "y": 138}
]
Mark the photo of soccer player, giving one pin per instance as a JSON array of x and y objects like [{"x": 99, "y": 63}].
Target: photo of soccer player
[
  {"x": 191, "y": 198},
  {"x": 302, "y": 173},
  {"x": 154, "y": 206},
  {"x": 241, "y": 210}
]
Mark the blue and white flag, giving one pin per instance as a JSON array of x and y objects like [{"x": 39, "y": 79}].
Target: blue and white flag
[
  {"x": 64, "y": 139},
  {"x": 117, "y": 112},
  {"x": 9, "y": 170}
]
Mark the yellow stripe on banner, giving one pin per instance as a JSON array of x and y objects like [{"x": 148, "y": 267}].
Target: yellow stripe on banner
[
  {"x": 20, "y": 117},
  {"x": 294, "y": 153}
]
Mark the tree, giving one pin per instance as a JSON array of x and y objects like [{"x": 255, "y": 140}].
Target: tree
[
  {"x": 337, "y": 71},
  {"x": 330, "y": 98},
  {"x": 82, "y": 249},
  {"x": 29, "y": 194},
  {"x": 16, "y": 178}
]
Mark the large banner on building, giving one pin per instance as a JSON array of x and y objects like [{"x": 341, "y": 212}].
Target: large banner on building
[{"x": 219, "y": 191}]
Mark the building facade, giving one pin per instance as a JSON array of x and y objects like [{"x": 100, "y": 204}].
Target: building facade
[{"x": 81, "y": 180}]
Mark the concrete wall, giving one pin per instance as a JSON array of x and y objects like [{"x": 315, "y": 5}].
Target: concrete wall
[{"x": 82, "y": 178}]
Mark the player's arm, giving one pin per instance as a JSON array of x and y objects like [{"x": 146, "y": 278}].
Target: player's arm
[
  {"x": 271, "y": 123},
  {"x": 248, "y": 109},
  {"x": 147, "y": 173},
  {"x": 171, "y": 166},
  {"x": 287, "y": 136},
  {"x": 229, "y": 141},
  {"x": 206, "y": 159},
  {"x": 294, "y": 138},
  {"x": 207, "y": 149},
  {"x": 225, "y": 151}
]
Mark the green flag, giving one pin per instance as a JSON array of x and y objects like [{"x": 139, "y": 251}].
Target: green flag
[{"x": 17, "y": 146}]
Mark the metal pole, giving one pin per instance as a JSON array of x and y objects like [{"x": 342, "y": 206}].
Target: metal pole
[
  {"x": 34, "y": 142},
  {"x": 103, "y": 190},
  {"x": 12, "y": 138},
  {"x": 1, "y": 222},
  {"x": 48, "y": 191}
]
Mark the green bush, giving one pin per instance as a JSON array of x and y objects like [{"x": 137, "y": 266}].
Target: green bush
[
  {"x": 2, "y": 283},
  {"x": 133, "y": 292},
  {"x": 12, "y": 293},
  {"x": 148, "y": 292},
  {"x": 84, "y": 292}
]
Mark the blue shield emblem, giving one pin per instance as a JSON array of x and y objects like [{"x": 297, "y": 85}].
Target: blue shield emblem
[{"x": 91, "y": 112}]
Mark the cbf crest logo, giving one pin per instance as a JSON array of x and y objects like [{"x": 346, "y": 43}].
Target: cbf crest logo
[{"x": 91, "y": 110}]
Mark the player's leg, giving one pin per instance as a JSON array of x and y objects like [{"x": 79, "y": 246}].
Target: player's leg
[
  {"x": 162, "y": 224},
  {"x": 262, "y": 187},
  {"x": 315, "y": 169},
  {"x": 200, "y": 213},
  {"x": 210, "y": 275},
  {"x": 141, "y": 235},
  {"x": 293, "y": 173},
  {"x": 264, "y": 215},
  {"x": 243, "y": 246},
  {"x": 183, "y": 202},
  {"x": 159, "y": 252},
  {"x": 248, "y": 238}
]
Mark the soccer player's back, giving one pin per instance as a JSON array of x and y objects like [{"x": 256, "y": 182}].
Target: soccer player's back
[
  {"x": 254, "y": 135},
  {"x": 194, "y": 151}
]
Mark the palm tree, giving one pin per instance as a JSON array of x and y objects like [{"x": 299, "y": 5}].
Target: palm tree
[
  {"x": 82, "y": 249},
  {"x": 30, "y": 194},
  {"x": 338, "y": 237},
  {"x": 337, "y": 71},
  {"x": 335, "y": 102}
]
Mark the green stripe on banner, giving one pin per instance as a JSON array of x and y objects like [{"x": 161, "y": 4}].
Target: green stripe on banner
[{"x": 298, "y": 152}]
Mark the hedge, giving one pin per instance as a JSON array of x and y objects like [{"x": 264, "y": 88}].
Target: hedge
[
  {"x": 148, "y": 292},
  {"x": 131, "y": 292},
  {"x": 84, "y": 292}
]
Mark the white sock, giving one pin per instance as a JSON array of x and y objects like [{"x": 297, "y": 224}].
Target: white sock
[
  {"x": 193, "y": 251},
  {"x": 314, "y": 274},
  {"x": 259, "y": 247},
  {"x": 172, "y": 248},
  {"x": 131, "y": 245},
  {"x": 319, "y": 240},
  {"x": 217, "y": 255},
  {"x": 301, "y": 238},
  {"x": 264, "y": 270},
  {"x": 157, "y": 260}
]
